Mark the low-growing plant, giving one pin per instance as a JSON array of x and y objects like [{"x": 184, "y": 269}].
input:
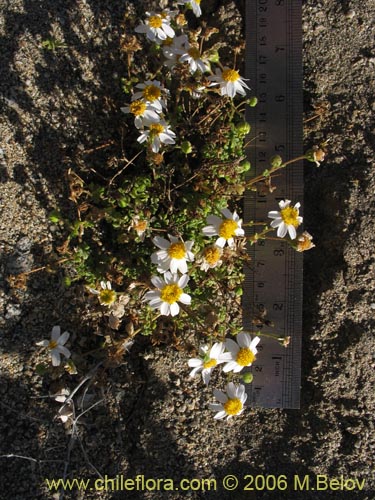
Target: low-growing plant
[{"x": 159, "y": 243}]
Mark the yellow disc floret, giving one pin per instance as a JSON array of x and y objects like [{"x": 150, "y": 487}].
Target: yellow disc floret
[
  {"x": 177, "y": 251},
  {"x": 155, "y": 21},
  {"x": 198, "y": 2},
  {"x": 107, "y": 297},
  {"x": 290, "y": 216},
  {"x": 52, "y": 344},
  {"x": 230, "y": 75},
  {"x": 233, "y": 406},
  {"x": 137, "y": 108},
  {"x": 151, "y": 93},
  {"x": 194, "y": 53},
  {"x": 228, "y": 228},
  {"x": 212, "y": 255},
  {"x": 156, "y": 129},
  {"x": 245, "y": 356},
  {"x": 211, "y": 363},
  {"x": 170, "y": 293}
]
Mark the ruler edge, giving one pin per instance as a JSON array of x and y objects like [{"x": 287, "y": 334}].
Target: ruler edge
[{"x": 294, "y": 138}]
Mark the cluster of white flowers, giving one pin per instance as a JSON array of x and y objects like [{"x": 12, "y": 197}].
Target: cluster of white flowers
[
  {"x": 236, "y": 356},
  {"x": 149, "y": 101},
  {"x": 172, "y": 256},
  {"x": 147, "y": 106}
]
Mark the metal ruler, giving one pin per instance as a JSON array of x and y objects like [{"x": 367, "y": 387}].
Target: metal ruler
[{"x": 274, "y": 284}]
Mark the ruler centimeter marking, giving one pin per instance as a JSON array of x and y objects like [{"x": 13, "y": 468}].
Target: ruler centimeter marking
[{"x": 274, "y": 283}]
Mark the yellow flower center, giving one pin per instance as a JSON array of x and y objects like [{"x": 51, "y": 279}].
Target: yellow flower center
[
  {"x": 230, "y": 75},
  {"x": 177, "y": 251},
  {"x": 151, "y": 93},
  {"x": 233, "y": 406},
  {"x": 212, "y": 255},
  {"x": 227, "y": 228},
  {"x": 156, "y": 129},
  {"x": 245, "y": 356},
  {"x": 171, "y": 293},
  {"x": 140, "y": 226},
  {"x": 137, "y": 108},
  {"x": 194, "y": 53},
  {"x": 198, "y": 2},
  {"x": 107, "y": 297},
  {"x": 155, "y": 21},
  {"x": 52, "y": 344},
  {"x": 211, "y": 363},
  {"x": 289, "y": 216}
]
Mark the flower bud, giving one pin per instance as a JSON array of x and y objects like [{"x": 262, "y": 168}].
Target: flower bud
[
  {"x": 276, "y": 161},
  {"x": 243, "y": 128},
  {"x": 244, "y": 166},
  {"x": 247, "y": 377},
  {"x": 186, "y": 147},
  {"x": 252, "y": 102}
]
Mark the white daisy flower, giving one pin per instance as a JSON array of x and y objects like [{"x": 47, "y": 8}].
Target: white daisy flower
[
  {"x": 194, "y": 4},
  {"x": 287, "y": 220},
  {"x": 208, "y": 360},
  {"x": 106, "y": 295},
  {"x": 143, "y": 112},
  {"x": 168, "y": 293},
  {"x": 158, "y": 134},
  {"x": 243, "y": 352},
  {"x": 56, "y": 345},
  {"x": 151, "y": 92},
  {"x": 211, "y": 256},
  {"x": 230, "y": 403},
  {"x": 193, "y": 57},
  {"x": 230, "y": 82},
  {"x": 173, "y": 255},
  {"x": 156, "y": 27},
  {"x": 174, "y": 48},
  {"x": 226, "y": 229}
]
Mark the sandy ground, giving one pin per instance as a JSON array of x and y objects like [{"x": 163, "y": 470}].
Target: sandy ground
[{"x": 153, "y": 419}]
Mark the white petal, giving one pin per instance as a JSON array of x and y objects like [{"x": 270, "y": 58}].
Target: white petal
[
  {"x": 273, "y": 214},
  {"x": 165, "y": 309},
  {"x": 220, "y": 396},
  {"x": 243, "y": 339},
  {"x": 55, "y": 357},
  {"x": 282, "y": 230},
  {"x": 185, "y": 299},
  {"x": 161, "y": 243},
  {"x": 175, "y": 309},
  {"x": 232, "y": 347},
  {"x": 55, "y": 334},
  {"x": 220, "y": 242},
  {"x": 292, "y": 232},
  {"x": 168, "y": 30},
  {"x": 63, "y": 338},
  {"x": 63, "y": 350},
  {"x": 158, "y": 282},
  {"x": 229, "y": 366},
  {"x": 214, "y": 220},
  {"x": 209, "y": 231},
  {"x": 182, "y": 266},
  {"x": 231, "y": 390},
  {"x": 183, "y": 281},
  {"x": 194, "y": 362},
  {"x": 216, "y": 350}
]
